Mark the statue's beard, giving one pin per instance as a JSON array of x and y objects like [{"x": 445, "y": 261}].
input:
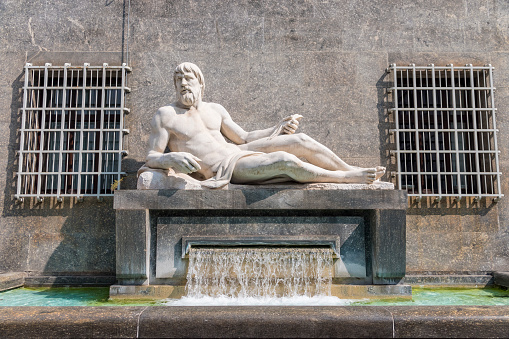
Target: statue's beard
[{"x": 189, "y": 98}]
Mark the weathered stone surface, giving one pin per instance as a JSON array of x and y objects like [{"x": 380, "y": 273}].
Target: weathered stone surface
[
  {"x": 260, "y": 322},
  {"x": 266, "y": 322},
  {"x": 238, "y": 43},
  {"x": 69, "y": 322},
  {"x": 450, "y": 321}
]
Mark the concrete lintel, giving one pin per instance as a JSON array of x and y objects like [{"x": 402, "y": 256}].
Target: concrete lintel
[{"x": 331, "y": 241}]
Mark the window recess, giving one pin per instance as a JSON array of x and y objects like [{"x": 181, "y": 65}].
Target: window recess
[
  {"x": 72, "y": 128},
  {"x": 445, "y": 131}
]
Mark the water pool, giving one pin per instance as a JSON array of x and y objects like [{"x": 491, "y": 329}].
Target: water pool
[{"x": 99, "y": 296}]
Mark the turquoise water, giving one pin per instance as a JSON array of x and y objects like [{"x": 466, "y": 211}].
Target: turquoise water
[
  {"x": 490, "y": 296},
  {"x": 98, "y": 296},
  {"x": 64, "y": 296}
]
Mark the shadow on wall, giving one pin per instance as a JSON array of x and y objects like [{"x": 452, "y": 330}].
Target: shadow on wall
[
  {"x": 49, "y": 237},
  {"x": 384, "y": 125}
]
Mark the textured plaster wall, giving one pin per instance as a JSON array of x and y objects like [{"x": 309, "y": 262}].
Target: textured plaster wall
[{"x": 262, "y": 60}]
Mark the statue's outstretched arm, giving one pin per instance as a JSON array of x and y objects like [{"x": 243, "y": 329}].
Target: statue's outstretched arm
[{"x": 238, "y": 135}]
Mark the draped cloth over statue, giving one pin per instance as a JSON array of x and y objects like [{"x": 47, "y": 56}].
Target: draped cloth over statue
[{"x": 153, "y": 178}]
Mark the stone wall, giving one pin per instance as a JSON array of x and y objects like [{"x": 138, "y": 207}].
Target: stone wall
[{"x": 262, "y": 60}]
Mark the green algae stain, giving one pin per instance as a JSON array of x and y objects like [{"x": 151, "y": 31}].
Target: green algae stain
[{"x": 421, "y": 296}]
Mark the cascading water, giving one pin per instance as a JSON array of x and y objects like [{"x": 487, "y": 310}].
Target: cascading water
[{"x": 259, "y": 272}]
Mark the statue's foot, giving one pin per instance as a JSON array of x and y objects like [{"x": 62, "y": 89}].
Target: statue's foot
[
  {"x": 360, "y": 176},
  {"x": 380, "y": 171}
]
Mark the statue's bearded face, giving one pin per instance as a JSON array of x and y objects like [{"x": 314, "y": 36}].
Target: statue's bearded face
[{"x": 188, "y": 88}]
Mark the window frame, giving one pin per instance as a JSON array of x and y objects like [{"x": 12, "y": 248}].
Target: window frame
[
  {"x": 480, "y": 115},
  {"x": 59, "y": 121}
]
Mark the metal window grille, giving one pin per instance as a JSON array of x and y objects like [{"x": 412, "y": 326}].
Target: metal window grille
[
  {"x": 445, "y": 131},
  {"x": 72, "y": 127}
]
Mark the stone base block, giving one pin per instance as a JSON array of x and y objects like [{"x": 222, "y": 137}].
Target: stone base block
[
  {"x": 341, "y": 291},
  {"x": 501, "y": 279},
  {"x": 11, "y": 280}
]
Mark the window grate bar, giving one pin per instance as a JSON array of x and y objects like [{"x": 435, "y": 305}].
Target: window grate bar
[
  {"x": 122, "y": 105},
  {"x": 495, "y": 144},
  {"x": 396, "y": 120},
  {"x": 62, "y": 124},
  {"x": 101, "y": 133},
  {"x": 43, "y": 120},
  {"x": 474, "y": 123},
  {"x": 435, "y": 117},
  {"x": 455, "y": 124},
  {"x": 416, "y": 119}
]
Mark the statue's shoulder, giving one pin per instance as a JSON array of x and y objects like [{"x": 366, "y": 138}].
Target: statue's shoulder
[
  {"x": 164, "y": 115},
  {"x": 213, "y": 105},
  {"x": 217, "y": 108},
  {"x": 167, "y": 110}
]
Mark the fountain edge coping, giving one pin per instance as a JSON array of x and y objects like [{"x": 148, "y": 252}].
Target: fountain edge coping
[{"x": 255, "y": 321}]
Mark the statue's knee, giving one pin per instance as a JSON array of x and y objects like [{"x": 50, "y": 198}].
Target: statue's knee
[
  {"x": 287, "y": 159},
  {"x": 303, "y": 138}
]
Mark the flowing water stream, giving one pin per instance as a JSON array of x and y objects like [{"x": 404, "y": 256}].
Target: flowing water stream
[{"x": 259, "y": 272}]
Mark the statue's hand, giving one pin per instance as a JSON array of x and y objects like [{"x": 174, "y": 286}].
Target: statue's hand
[
  {"x": 184, "y": 162},
  {"x": 290, "y": 124}
]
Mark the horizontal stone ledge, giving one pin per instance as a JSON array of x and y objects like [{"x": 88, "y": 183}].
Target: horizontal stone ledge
[
  {"x": 259, "y": 321},
  {"x": 260, "y": 199},
  {"x": 75, "y": 280}
]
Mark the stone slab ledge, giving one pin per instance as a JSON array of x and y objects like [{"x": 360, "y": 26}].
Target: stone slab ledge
[
  {"x": 262, "y": 198},
  {"x": 75, "y": 281},
  {"x": 450, "y": 280}
]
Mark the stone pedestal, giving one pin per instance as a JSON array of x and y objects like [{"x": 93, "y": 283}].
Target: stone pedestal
[{"x": 368, "y": 224}]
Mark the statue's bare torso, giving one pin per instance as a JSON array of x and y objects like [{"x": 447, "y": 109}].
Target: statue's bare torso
[{"x": 197, "y": 131}]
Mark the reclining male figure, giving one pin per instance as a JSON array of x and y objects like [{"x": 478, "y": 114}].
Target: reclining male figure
[{"x": 195, "y": 132}]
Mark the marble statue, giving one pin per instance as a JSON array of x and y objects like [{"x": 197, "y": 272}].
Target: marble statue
[{"x": 200, "y": 156}]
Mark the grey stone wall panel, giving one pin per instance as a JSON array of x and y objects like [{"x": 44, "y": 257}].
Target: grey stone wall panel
[{"x": 262, "y": 60}]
